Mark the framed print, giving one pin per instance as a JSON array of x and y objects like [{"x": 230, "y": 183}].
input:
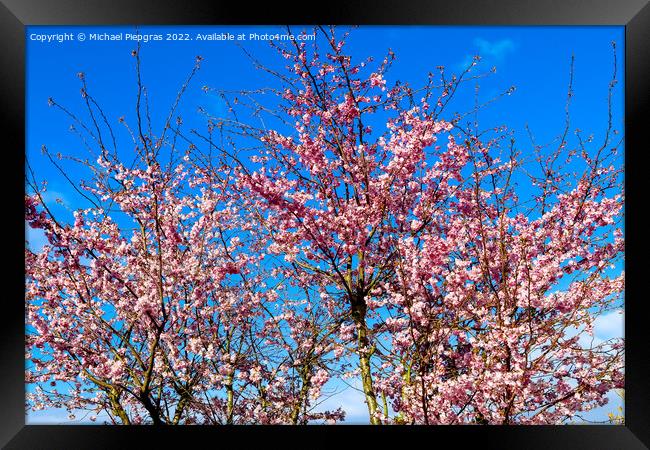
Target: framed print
[{"x": 372, "y": 222}]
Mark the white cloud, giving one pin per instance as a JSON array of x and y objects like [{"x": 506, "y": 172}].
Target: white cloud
[
  {"x": 495, "y": 49},
  {"x": 605, "y": 327},
  {"x": 610, "y": 325},
  {"x": 351, "y": 400},
  {"x": 491, "y": 52},
  {"x": 585, "y": 340},
  {"x": 62, "y": 417}
]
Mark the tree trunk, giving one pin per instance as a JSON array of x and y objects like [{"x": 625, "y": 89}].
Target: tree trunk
[
  {"x": 365, "y": 351},
  {"x": 230, "y": 401},
  {"x": 302, "y": 396},
  {"x": 114, "y": 397}
]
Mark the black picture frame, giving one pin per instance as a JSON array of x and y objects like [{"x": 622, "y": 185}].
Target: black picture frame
[{"x": 633, "y": 14}]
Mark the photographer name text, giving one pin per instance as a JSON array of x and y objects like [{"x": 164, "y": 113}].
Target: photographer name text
[{"x": 152, "y": 37}]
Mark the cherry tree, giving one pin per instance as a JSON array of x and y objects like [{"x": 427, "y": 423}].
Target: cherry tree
[
  {"x": 334, "y": 198},
  {"x": 491, "y": 334},
  {"x": 151, "y": 306},
  {"x": 497, "y": 311}
]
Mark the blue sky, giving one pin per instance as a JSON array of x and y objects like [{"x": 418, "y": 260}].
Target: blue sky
[{"x": 535, "y": 60}]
